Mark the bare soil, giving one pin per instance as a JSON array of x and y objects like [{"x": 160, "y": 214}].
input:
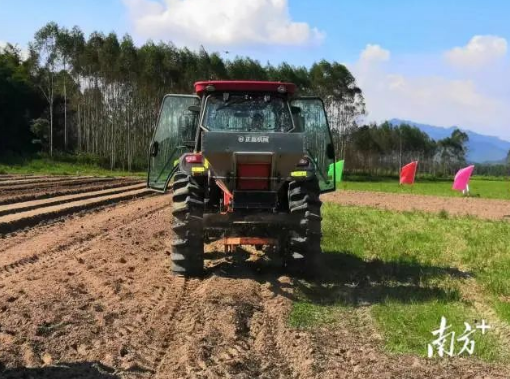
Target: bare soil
[
  {"x": 24, "y": 185},
  {"x": 34, "y": 204},
  {"x": 11, "y": 194},
  {"x": 483, "y": 208},
  {"x": 91, "y": 296}
]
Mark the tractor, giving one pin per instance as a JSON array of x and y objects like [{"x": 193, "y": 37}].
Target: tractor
[{"x": 246, "y": 162}]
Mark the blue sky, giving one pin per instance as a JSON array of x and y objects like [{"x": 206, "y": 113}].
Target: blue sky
[
  {"x": 403, "y": 26},
  {"x": 442, "y": 62}
]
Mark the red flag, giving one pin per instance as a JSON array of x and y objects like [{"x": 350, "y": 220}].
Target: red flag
[{"x": 408, "y": 173}]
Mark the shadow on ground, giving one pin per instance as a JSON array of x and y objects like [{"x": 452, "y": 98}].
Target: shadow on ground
[
  {"x": 80, "y": 370},
  {"x": 346, "y": 279}
]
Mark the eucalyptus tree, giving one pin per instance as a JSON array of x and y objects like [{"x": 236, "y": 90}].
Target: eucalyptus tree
[
  {"x": 128, "y": 68},
  {"x": 287, "y": 73},
  {"x": 44, "y": 49},
  {"x": 343, "y": 98},
  {"x": 452, "y": 151},
  {"x": 64, "y": 47},
  {"x": 73, "y": 48},
  {"x": 246, "y": 68},
  {"x": 218, "y": 67}
]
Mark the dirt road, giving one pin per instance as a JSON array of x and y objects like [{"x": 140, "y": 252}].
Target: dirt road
[
  {"x": 92, "y": 297},
  {"x": 483, "y": 208}
]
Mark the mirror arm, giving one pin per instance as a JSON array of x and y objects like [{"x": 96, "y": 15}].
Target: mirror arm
[
  {"x": 154, "y": 149},
  {"x": 330, "y": 151}
]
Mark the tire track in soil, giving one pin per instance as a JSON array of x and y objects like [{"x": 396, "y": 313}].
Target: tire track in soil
[
  {"x": 223, "y": 328},
  {"x": 216, "y": 327},
  {"x": 51, "y": 255},
  {"x": 152, "y": 348},
  {"x": 111, "y": 299},
  {"x": 92, "y": 250},
  {"x": 133, "y": 336},
  {"x": 46, "y": 258},
  {"x": 13, "y": 239},
  {"x": 181, "y": 305}
]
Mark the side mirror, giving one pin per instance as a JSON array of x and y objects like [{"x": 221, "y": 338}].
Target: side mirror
[
  {"x": 330, "y": 151},
  {"x": 154, "y": 149},
  {"x": 194, "y": 108}
]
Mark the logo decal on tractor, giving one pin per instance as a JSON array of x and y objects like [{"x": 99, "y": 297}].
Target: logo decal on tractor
[{"x": 256, "y": 139}]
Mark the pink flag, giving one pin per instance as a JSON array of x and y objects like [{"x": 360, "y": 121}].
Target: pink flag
[
  {"x": 462, "y": 177},
  {"x": 408, "y": 173}
]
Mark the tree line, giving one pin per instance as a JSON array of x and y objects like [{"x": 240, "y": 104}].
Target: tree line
[
  {"x": 383, "y": 149},
  {"x": 99, "y": 96}
]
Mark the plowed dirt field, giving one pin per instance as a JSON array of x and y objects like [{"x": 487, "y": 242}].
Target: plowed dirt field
[
  {"x": 489, "y": 209},
  {"x": 86, "y": 292}
]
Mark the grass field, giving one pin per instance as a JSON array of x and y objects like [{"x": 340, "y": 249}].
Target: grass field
[
  {"x": 489, "y": 189},
  {"x": 47, "y": 166},
  {"x": 410, "y": 269}
]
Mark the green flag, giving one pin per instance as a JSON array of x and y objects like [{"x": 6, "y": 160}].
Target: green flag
[{"x": 339, "y": 169}]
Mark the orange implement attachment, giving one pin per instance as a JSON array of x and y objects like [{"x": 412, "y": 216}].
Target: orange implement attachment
[
  {"x": 227, "y": 200},
  {"x": 231, "y": 242},
  {"x": 227, "y": 197}
]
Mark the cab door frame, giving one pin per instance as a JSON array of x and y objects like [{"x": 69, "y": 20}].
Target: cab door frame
[
  {"x": 170, "y": 160},
  {"x": 332, "y": 150}
]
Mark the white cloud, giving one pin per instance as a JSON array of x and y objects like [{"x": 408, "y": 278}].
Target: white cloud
[
  {"x": 24, "y": 53},
  {"x": 375, "y": 53},
  {"x": 479, "y": 52},
  {"x": 220, "y": 23},
  {"x": 469, "y": 102}
]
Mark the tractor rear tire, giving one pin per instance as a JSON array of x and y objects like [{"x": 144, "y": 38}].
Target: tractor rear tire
[
  {"x": 188, "y": 209},
  {"x": 304, "y": 242}
]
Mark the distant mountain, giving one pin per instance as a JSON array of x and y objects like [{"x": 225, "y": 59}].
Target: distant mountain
[{"x": 481, "y": 148}]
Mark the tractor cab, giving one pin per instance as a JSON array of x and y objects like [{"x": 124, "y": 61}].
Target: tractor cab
[
  {"x": 246, "y": 162},
  {"x": 227, "y": 118}
]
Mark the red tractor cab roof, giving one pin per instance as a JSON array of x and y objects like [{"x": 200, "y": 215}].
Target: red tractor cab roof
[{"x": 210, "y": 86}]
